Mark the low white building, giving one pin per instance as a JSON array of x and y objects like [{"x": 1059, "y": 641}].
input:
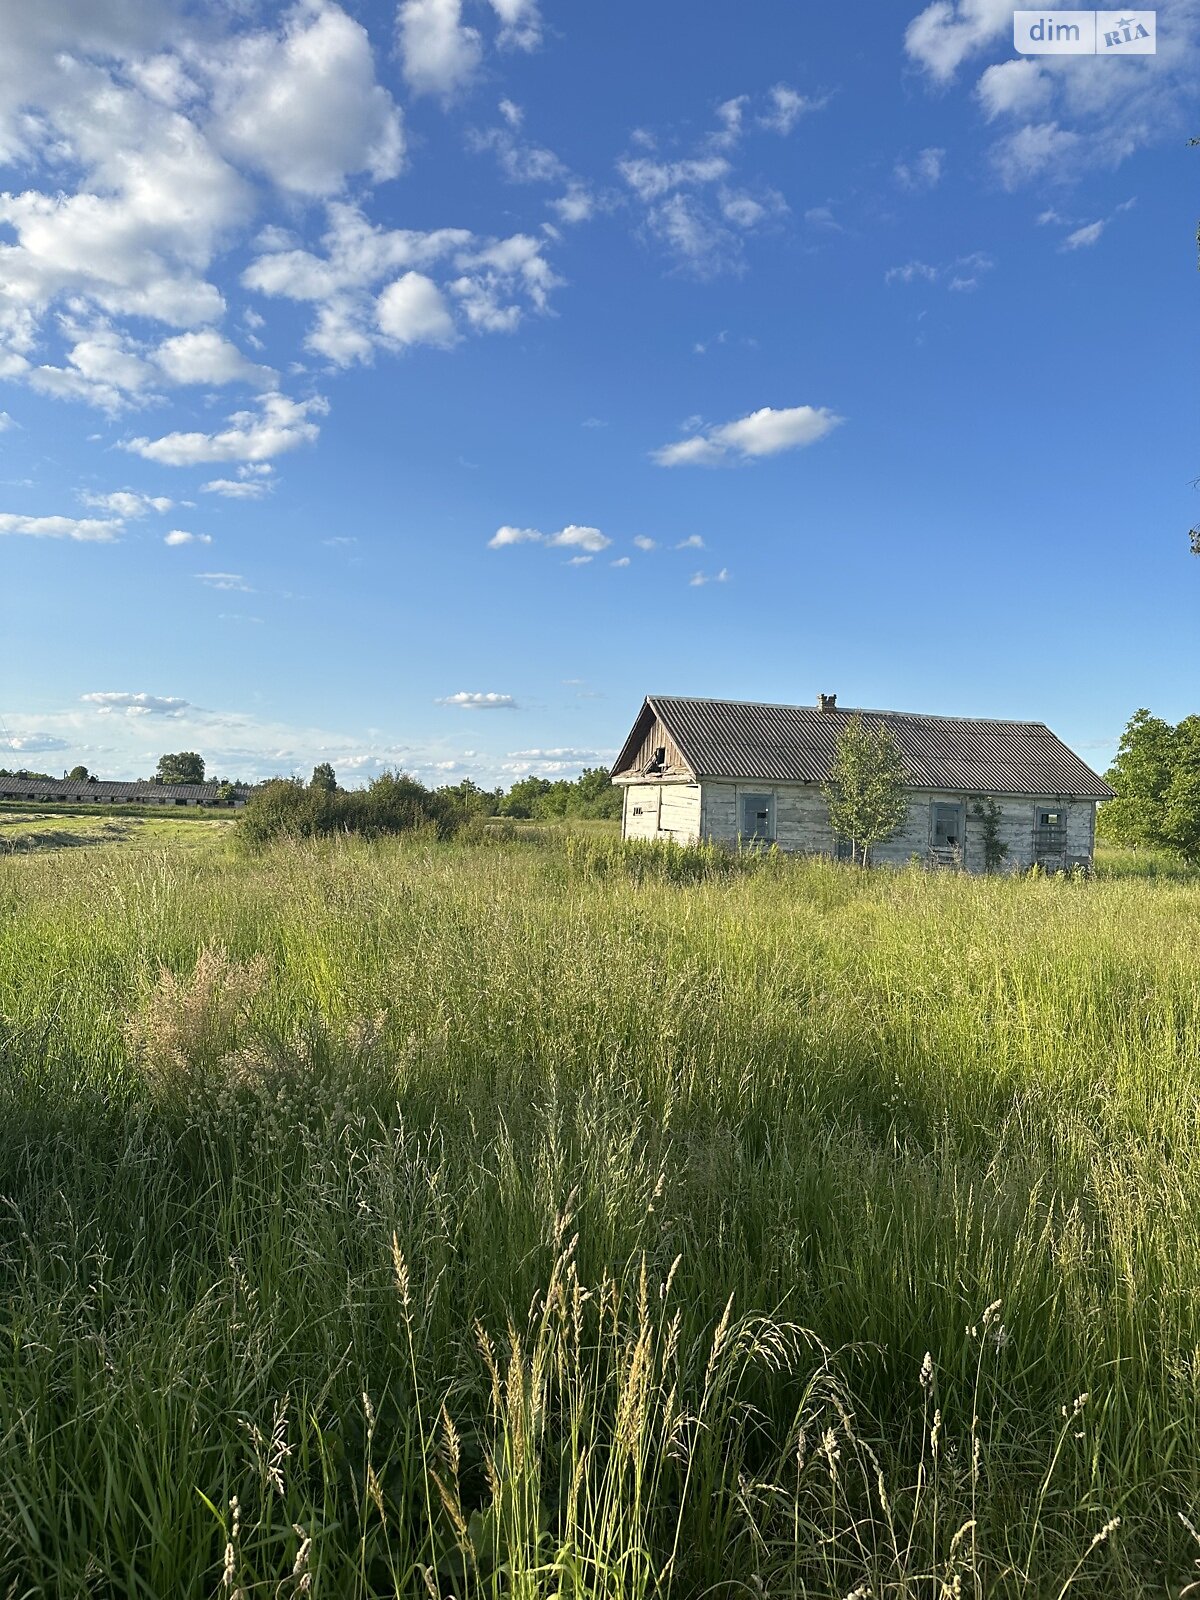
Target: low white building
[{"x": 733, "y": 771}]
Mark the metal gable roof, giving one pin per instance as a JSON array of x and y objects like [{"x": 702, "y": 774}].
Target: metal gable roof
[
  {"x": 105, "y": 789},
  {"x": 797, "y": 744}
]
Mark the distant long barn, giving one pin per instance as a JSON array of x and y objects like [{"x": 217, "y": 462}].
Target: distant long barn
[
  {"x": 100, "y": 792},
  {"x": 728, "y": 770}
]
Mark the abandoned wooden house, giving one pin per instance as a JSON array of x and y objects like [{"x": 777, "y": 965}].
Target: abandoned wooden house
[{"x": 731, "y": 771}]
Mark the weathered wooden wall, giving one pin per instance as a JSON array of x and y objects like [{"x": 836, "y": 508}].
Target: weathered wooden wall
[
  {"x": 802, "y": 824},
  {"x": 662, "y": 811},
  {"x": 657, "y": 738}
]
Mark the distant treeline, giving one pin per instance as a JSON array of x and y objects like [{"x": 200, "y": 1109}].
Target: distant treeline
[{"x": 396, "y": 803}]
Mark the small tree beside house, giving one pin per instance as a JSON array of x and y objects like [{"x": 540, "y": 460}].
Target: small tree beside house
[{"x": 866, "y": 791}]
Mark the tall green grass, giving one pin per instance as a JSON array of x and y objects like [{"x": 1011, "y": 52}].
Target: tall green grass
[{"x": 522, "y": 1219}]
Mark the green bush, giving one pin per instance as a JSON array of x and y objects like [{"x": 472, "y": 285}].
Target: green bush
[{"x": 285, "y": 808}]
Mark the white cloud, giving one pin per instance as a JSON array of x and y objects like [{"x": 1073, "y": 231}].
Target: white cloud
[
  {"x": 924, "y": 171},
  {"x": 519, "y": 161},
  {"x": 1019, "y": 88},
  {"x": 232, "y": 581},
  {"x": 440, "y": 54},
  {"x": 762, "y": 433},
  {"x": 948, "y": 31},
  {"x": 237, "y": 488},
  {"x": 207, "y": 357},
  {"x": 621, "y": 561},
  {"x": 1031, "y": 150},
  {"x": 572, "y": 537},
  {"x": 177, "y": 536},
  {"x": 155, "y": 201},
  {"x": 582, "y": 538},
  {"x": 644, "y": 543},
  {"x": 963, "y": 272},
  {"x": 6, "y": 422},
  {"x": 127, "y": 503},
  {"x": 413, "y": 311},
  {"x": 576, "y": 205},
  {"x": 506, "y": 536},
  {"x": 491, "y": 281},
  {"x": 303, "y": 106},
  {"x": 911, "y": 271},
  {"x": 699, "y": 579},
  {"x": 692, "y": 542},
  {"x": 87, "y": 530},
  {"x": 520, "y": 24},
  {"x": 1083, "y": 237},
  {"x": 136, "y": 705},
  {"x": 466, "y": 701},
  {"x": 787, "y": 106},
  {"x": 280, "y": 424},
  {"x": 33, "y": 743},
  {"x": 650, "y": 180}
]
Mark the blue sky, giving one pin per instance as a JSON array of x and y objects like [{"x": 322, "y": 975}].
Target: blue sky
[{"x": 421, "y": 385}]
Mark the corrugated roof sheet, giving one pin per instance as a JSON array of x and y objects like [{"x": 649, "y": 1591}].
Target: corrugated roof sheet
[
  {"x": 797, "y": 744},
  {"x": 103, "y": 789}
]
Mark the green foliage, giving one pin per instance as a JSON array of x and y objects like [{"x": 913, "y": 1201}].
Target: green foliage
[
  {"x": 371, "y": 1215},
  {"x": 471, "y": 800},
  {"x": 24, "y": 772},
  {"x": 591, "y": 796},
  {"x": 323, "y": 778},
  {"x": 285, "y": 808},
  {"x": 185, "y": 766},
  {"x": 866, "y": 789},
  {"x": 988, "y": 814},
  {"x": 1156, "y": 777},
  {"x": 78, "y": 775},
  {"x": 662, "y": 860}
]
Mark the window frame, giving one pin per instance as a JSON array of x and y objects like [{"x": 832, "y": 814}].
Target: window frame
[
  {"x": 960, "y": 824},
  {"x": 745, "y": 797}
]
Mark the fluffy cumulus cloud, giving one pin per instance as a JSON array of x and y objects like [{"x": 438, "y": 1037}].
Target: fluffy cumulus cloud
[
  {"x": 179, "y": 536},
  {"x": 766, "y": 432},
  {"x": 108, "y": 702},
  {"x": 302, "y": 105},
  {"x": 278, "y": 425},
  {"x": 585, "y": 541},
  {"x": 84, "y": 530},
  {"x": 127, "y": 503},
  {"x": 467, "y": 700},
  {"x": 154, "y": 137},
  {"x": 413, "y": 310},
  {"x": 207, "y": 357},
  {"x": 373, "y": 286},
  {"x": 441, "y": 53}
]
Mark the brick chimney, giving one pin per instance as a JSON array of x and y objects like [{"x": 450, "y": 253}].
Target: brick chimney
[{"x": 827, "y": 702}]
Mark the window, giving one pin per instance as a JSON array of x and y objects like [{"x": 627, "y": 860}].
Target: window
[
  {"x": 947, "y": 827},
  {"x": 843, "y": 849},
  {"x": 758, "y": 816},
  {"x": 1049, "y": 829}
]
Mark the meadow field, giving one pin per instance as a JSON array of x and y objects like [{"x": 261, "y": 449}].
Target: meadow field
[{"x": 530, "y": 1217}]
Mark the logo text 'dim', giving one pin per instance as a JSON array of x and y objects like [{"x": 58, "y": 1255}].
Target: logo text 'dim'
[{"x": 1084, "y": 33}]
